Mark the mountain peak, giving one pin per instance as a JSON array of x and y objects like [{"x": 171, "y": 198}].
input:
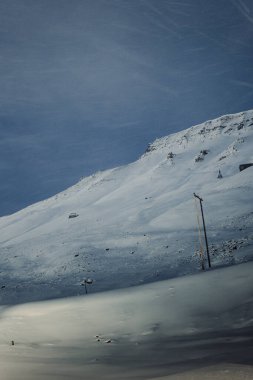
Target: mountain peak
[{"x": 224, "y": 125}]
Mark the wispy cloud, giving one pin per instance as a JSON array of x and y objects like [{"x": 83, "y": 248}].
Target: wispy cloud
[
  {"x": 242, "y": 83},
  {"x": 244, "y": 9}
]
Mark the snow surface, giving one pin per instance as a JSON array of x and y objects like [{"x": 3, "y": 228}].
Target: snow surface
[
  {"x": 193, "y": 327},
  {"x": 137, "y": 223}
]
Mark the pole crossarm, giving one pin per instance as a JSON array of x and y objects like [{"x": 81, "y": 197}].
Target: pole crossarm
[{"x": 197, "y": 196}]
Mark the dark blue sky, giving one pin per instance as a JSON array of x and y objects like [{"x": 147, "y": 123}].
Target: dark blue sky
[{"x": 87, "y": 84}]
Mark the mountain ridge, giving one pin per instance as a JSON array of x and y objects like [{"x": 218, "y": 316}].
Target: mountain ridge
[{"x": 137, "y": 223}]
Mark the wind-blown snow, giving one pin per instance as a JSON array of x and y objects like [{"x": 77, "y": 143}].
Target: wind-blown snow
[{"x": 137, "y": 223}]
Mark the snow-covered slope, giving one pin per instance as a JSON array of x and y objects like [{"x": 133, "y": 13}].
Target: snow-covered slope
[{"x": 137, "y": 223}]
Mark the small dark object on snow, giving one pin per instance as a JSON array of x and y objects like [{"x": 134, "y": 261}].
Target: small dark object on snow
[
  {"x": 199, "y": 158},
  {"x": 150, "y": 148},
  {"x": 3, "y": 286},
  {"x": 108, "y": 341},
  {"x": 201, "y": 155},
  {"x": 107, "y": 249},
  {"x": 73, "y": 215},
  {"x": 12, "y": 343},
  {"x": 77, "y": 254},
  {"x": 170, "y": 155},
  {"x": 244, "y": 166},
  {"x": 219, "y": 174}
]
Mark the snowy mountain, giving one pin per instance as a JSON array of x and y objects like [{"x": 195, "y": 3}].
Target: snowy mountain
[{"x": 137, "y": 223}]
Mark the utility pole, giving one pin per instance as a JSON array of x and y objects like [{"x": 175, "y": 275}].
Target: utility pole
[
  {"x": 204, "y": 226},
  {"x": 88, "y": 281}
]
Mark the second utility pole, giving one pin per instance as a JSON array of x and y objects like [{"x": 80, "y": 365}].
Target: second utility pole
[{"x": 204, "y": 226}]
